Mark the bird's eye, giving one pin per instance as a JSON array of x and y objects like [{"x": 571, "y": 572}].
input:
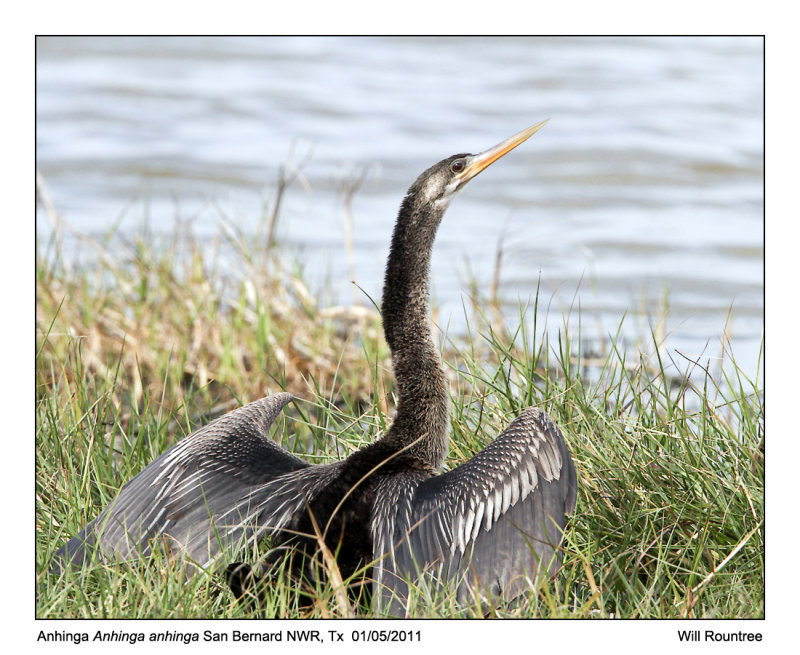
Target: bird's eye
[{"x": 458, "y": 165}]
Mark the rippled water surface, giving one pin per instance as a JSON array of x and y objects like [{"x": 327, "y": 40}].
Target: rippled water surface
[{"x": 644, "y": 189}]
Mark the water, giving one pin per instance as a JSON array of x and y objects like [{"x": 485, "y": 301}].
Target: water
[{"x": 645, "y": 185}]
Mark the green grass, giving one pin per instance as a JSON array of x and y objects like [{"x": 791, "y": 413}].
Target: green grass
[{"x": 141, "y": 348}]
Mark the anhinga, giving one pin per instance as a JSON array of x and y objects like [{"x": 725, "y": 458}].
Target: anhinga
[{"x": 487, "y": 527}]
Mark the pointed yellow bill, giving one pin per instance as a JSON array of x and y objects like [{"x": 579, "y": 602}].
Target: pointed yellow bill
[{"x": 477, "y": 163}]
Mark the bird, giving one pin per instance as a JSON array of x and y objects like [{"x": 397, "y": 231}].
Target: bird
[{"x": 487, "y": 528}]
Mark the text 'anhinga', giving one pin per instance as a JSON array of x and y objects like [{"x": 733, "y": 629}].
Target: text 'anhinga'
[{"x": 488, "y": 527}]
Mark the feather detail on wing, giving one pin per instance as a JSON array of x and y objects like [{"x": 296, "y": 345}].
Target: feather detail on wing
[
  {"x": 491, "y": 525},
  {"x": 199, "y": 495}
]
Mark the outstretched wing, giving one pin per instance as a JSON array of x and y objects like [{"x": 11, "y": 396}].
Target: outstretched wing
[
  {"x": 489, "y": 526},
  {"x": 196, "y": 495}
]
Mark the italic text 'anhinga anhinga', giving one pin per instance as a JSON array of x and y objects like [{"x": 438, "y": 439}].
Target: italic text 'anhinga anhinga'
[{"x": 488, "y": 526}]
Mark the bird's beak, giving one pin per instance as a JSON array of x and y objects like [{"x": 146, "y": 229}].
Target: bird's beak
[{"x": 477, "y": 163}]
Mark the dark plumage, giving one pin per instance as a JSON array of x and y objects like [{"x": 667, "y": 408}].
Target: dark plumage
[{"x": 487, "y": 527}]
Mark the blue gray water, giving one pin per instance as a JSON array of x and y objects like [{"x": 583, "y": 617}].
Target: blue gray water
[{"x": 644, "y": 190}]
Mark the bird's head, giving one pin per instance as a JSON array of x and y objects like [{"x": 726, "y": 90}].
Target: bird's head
[{"x": 442, "y": 181}]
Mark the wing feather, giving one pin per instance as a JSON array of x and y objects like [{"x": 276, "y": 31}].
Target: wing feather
[
  {"x": 197, "y": 495},
  {"x": 498, "y": 518}
]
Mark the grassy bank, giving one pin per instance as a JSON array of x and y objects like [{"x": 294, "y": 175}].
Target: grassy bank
[{"x": 156, "y": 337}]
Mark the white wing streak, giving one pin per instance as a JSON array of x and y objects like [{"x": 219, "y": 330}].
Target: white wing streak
[{"x": 488, "y": 525}]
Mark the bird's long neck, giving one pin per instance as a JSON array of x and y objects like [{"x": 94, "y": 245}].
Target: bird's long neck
[{"x": 421, "y": 423}]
